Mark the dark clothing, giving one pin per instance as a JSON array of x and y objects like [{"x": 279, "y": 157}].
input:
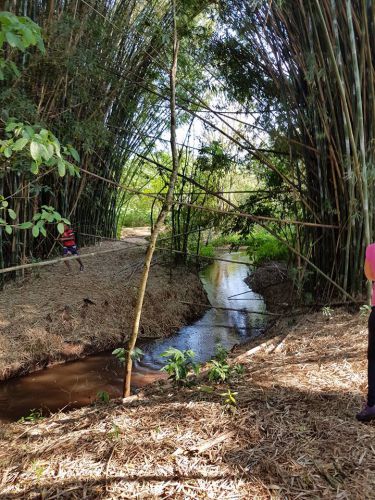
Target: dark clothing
[
  {"x": 371, "y": 359},
  {"x": 72, "y": 250}
]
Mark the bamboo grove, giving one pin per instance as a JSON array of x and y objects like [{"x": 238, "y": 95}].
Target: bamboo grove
[
  {"x": 312, "y": 63},
  {"x": 304, "y": 69},
  {"x": 75, "y": 90}
]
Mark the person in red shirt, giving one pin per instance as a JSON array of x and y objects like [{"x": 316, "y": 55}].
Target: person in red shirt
[{"x": 70, "y": 247}]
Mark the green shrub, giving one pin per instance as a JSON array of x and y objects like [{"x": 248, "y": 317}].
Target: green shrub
[
  {"x": 230, "y": 239},
  {"x": 33, "y": 417},
  {"x": 263, "y": 247},
  {"x": 135, "y": 217},
  {"x": 103, "y": 396},
  {"x": 219, "y": 371},
  {"x": 136, "y": 354},
  {"x": 180, "y": 364},
  {"x": 207, "y": 251}
]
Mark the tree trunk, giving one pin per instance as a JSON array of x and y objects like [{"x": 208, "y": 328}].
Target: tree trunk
[{"x": 162, "y": 215}]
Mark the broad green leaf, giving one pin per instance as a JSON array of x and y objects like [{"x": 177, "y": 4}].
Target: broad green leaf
[
  {"x": 11, "y": 126},
  {"x": 34, "y": 169},
  {"x": 71, "y": 168},
  {"x": 7, "y": 152},
  {"x": 26, "y": 225},
  {"x": 35, "y": 231},
  {"x": 74, "y": 153},
  {"x": 30, "y": 131},
  {"x": 14, "y": 40},
  {"x": 20, "y": 144},
  {"x": 44, "y": 152},
  {"x": 61, "y": 168},
  {"x": 48, "y": 217},
  {"x": 40, "y": 45},
  {"x": 12, "y": 214},
  {"x": 43, "y": 231},
  {"x": 8, "y": 229},
  {"x": 36, "y": 150},
  {"x": 4, "y": 204},
  {"x": 28, "y": 36},
  {"x": 60, "y": 227}
]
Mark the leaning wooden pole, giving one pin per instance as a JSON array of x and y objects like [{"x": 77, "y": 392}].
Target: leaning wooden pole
[{"x": 163, "y": 212}]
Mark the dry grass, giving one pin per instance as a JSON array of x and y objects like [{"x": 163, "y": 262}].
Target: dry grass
[
  {"x": 56, "y": 315},
  {"x": 293, "y": 434}
]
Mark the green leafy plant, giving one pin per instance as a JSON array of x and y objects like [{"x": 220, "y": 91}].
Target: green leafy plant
[
  {"x": 219, "y": 371},
  {"x": 180, "y": 364},
  {"x": 238, "y": 369},
  {"x": 221, "y": 354},
  {"x": 120, "y": 352},
  {"x": 327, "y": 312},
  {"x": 39, "y": 470},
  {"x": 103, "y": 396},
  {"x": 39, "y": 146},
  {"x": 115, "y": 432},
  {"x": 33, "y": 417},
  {"x": 18, "y": 33},
  {"x": 48, "y": 215},
  {"x": 230, "y": 399},
  {"x": 365, "y": 310}
]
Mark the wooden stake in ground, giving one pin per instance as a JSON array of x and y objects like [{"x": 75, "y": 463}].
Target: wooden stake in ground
[{"x": 163, "y": 212}]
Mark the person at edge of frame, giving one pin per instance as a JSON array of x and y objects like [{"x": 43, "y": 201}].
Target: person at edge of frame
[{"x": 368, "y": 411}]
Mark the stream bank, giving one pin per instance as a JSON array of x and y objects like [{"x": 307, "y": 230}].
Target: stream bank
[
  {"x": 237, "y": 315},
  {"x": 55, "y": 316}
]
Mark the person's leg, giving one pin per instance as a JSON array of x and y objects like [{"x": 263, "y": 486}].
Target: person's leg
[
  {"x": 74, "y": 251},
  {"x": 66, "y": 262},
  {"x": 81, "y": 266},
  {"x": 368, "y": 412},
  {"x": 371, "y": 359}
]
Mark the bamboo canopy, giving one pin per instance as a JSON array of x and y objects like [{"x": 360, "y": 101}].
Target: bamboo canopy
[{"x": 317, "y": 56}]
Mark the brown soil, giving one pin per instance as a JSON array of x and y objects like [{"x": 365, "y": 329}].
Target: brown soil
[
  {"x": 56, "y": 315},
  {"x": 271, "y": 280}
]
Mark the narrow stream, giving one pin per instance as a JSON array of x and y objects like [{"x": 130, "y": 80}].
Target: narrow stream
[{"x": 77, "y": 383}]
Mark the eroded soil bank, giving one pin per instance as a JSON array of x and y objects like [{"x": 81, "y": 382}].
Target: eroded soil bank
[{"x": 56, "y": 315}]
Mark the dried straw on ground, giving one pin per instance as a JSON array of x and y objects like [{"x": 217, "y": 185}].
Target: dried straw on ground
[
  {"x": 293, "y": 434},
  {"x": 57, "y": 315}
]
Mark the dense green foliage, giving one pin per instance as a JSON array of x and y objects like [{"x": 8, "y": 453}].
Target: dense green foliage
[{"x": 91, "y": 87}]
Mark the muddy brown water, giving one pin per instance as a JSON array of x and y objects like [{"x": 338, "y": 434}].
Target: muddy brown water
[{"x": 77, "y": 383}]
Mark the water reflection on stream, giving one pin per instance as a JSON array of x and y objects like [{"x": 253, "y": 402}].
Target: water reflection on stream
[{"x": 77, "y": 383}]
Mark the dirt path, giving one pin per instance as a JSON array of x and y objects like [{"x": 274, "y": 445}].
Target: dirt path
[{"x": 55, "y": 314}]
